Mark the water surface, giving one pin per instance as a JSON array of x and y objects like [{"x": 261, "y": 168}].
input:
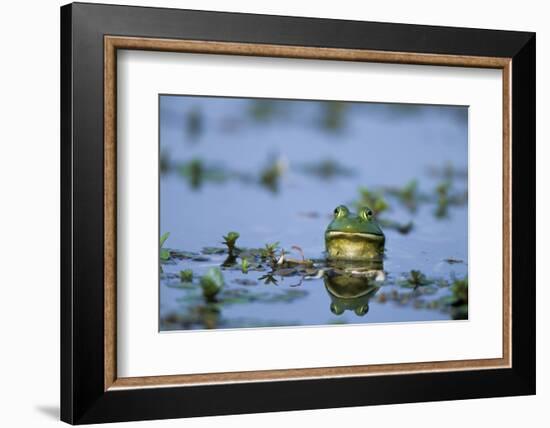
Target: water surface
[{"x": 275, "y": 170}]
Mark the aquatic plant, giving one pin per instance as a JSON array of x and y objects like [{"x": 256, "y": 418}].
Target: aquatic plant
[
  {"x": 183, "y": 255},
  {"x": 459, "y": 288},
  {"x": 196, "y": 171},
  {"x": 203, "y": 315},
  {"x": 269, "y": 278},
  {"x": 164, "y": 253},
  {"x": 269, "y": 252},
  {"x": 245, "y": 281},
  {"x": 209, "y": 315},
  {"x": 230, "y": 240},
  {"x": 211, "y": 283},
  {"x": 403, "y": 228},
  {"x": 442, "y": 195},
  {"x": 448, "y": 172},
  {"x": 416, "y": 279},
  {"x": 244, "y": 265},
  {"x": 333, "y": 115},
  {"x": 212, "y": 250},
  {"x": 457, "y": 302},
  {"x": 299, "y": 249},
  {"x": 194, "y": 123},
  {"x": 288, "y": 262},
  {"x": 262, "y": 110},
  {"x": 326, "y": 169},
  {"x": 453, "y": 261},
  {"x": 441, "y": 282},
  {"x": 186, "y": 275},
  {"x": 271, "y": 174},
  {"x": 373, "y": 199},
  {"x": 408, "y": 195},
  {"x": 377, "y": 202},
  {"x": 229, "y": 261}
]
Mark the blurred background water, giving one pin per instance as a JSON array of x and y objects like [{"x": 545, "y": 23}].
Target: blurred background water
[{"x": 274, "y": 170}]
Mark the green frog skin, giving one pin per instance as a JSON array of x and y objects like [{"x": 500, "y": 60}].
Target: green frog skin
[{"x": 352, "y": 236}]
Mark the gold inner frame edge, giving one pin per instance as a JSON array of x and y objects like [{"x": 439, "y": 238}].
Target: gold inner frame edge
[{"x": 113, "y": 43}]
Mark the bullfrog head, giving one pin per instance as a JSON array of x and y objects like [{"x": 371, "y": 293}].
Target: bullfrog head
[{"x": 352, "y": 236}]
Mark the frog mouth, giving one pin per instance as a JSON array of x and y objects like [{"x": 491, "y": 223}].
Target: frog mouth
[{"x": 355, "y": 235}]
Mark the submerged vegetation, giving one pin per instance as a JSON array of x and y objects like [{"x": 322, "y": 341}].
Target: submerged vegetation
[{"x": 207, "y": 295}]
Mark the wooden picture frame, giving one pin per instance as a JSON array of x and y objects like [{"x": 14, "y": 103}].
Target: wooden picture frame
[{"x": 91, "y": 390}]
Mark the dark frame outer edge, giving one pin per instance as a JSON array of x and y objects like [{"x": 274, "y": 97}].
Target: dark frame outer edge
[
  {"x": 66, "y": 315},
  {"x": 524, "y": 216}
]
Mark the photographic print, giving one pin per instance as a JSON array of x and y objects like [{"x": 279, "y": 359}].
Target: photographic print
[{"x": 280, "y": 212}]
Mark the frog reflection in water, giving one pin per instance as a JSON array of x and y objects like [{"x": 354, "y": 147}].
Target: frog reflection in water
[
  {"x": 355, "y": 245},
  {"x": 352, "y": 236},
  {"x": 351, "y": 285}
]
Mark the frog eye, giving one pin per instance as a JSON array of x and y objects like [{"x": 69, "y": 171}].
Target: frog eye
[
  {"x": 366, "y": 213},
  {"x": 341, "y": 211}
]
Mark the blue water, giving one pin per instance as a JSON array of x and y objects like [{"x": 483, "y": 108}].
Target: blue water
[{"x": 379, "y": 146}]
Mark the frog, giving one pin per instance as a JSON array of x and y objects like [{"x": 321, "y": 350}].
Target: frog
[{"x": 351, "y": 236}]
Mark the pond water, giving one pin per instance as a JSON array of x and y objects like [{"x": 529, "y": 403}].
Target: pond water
[{"x": 274, "y": 171}]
